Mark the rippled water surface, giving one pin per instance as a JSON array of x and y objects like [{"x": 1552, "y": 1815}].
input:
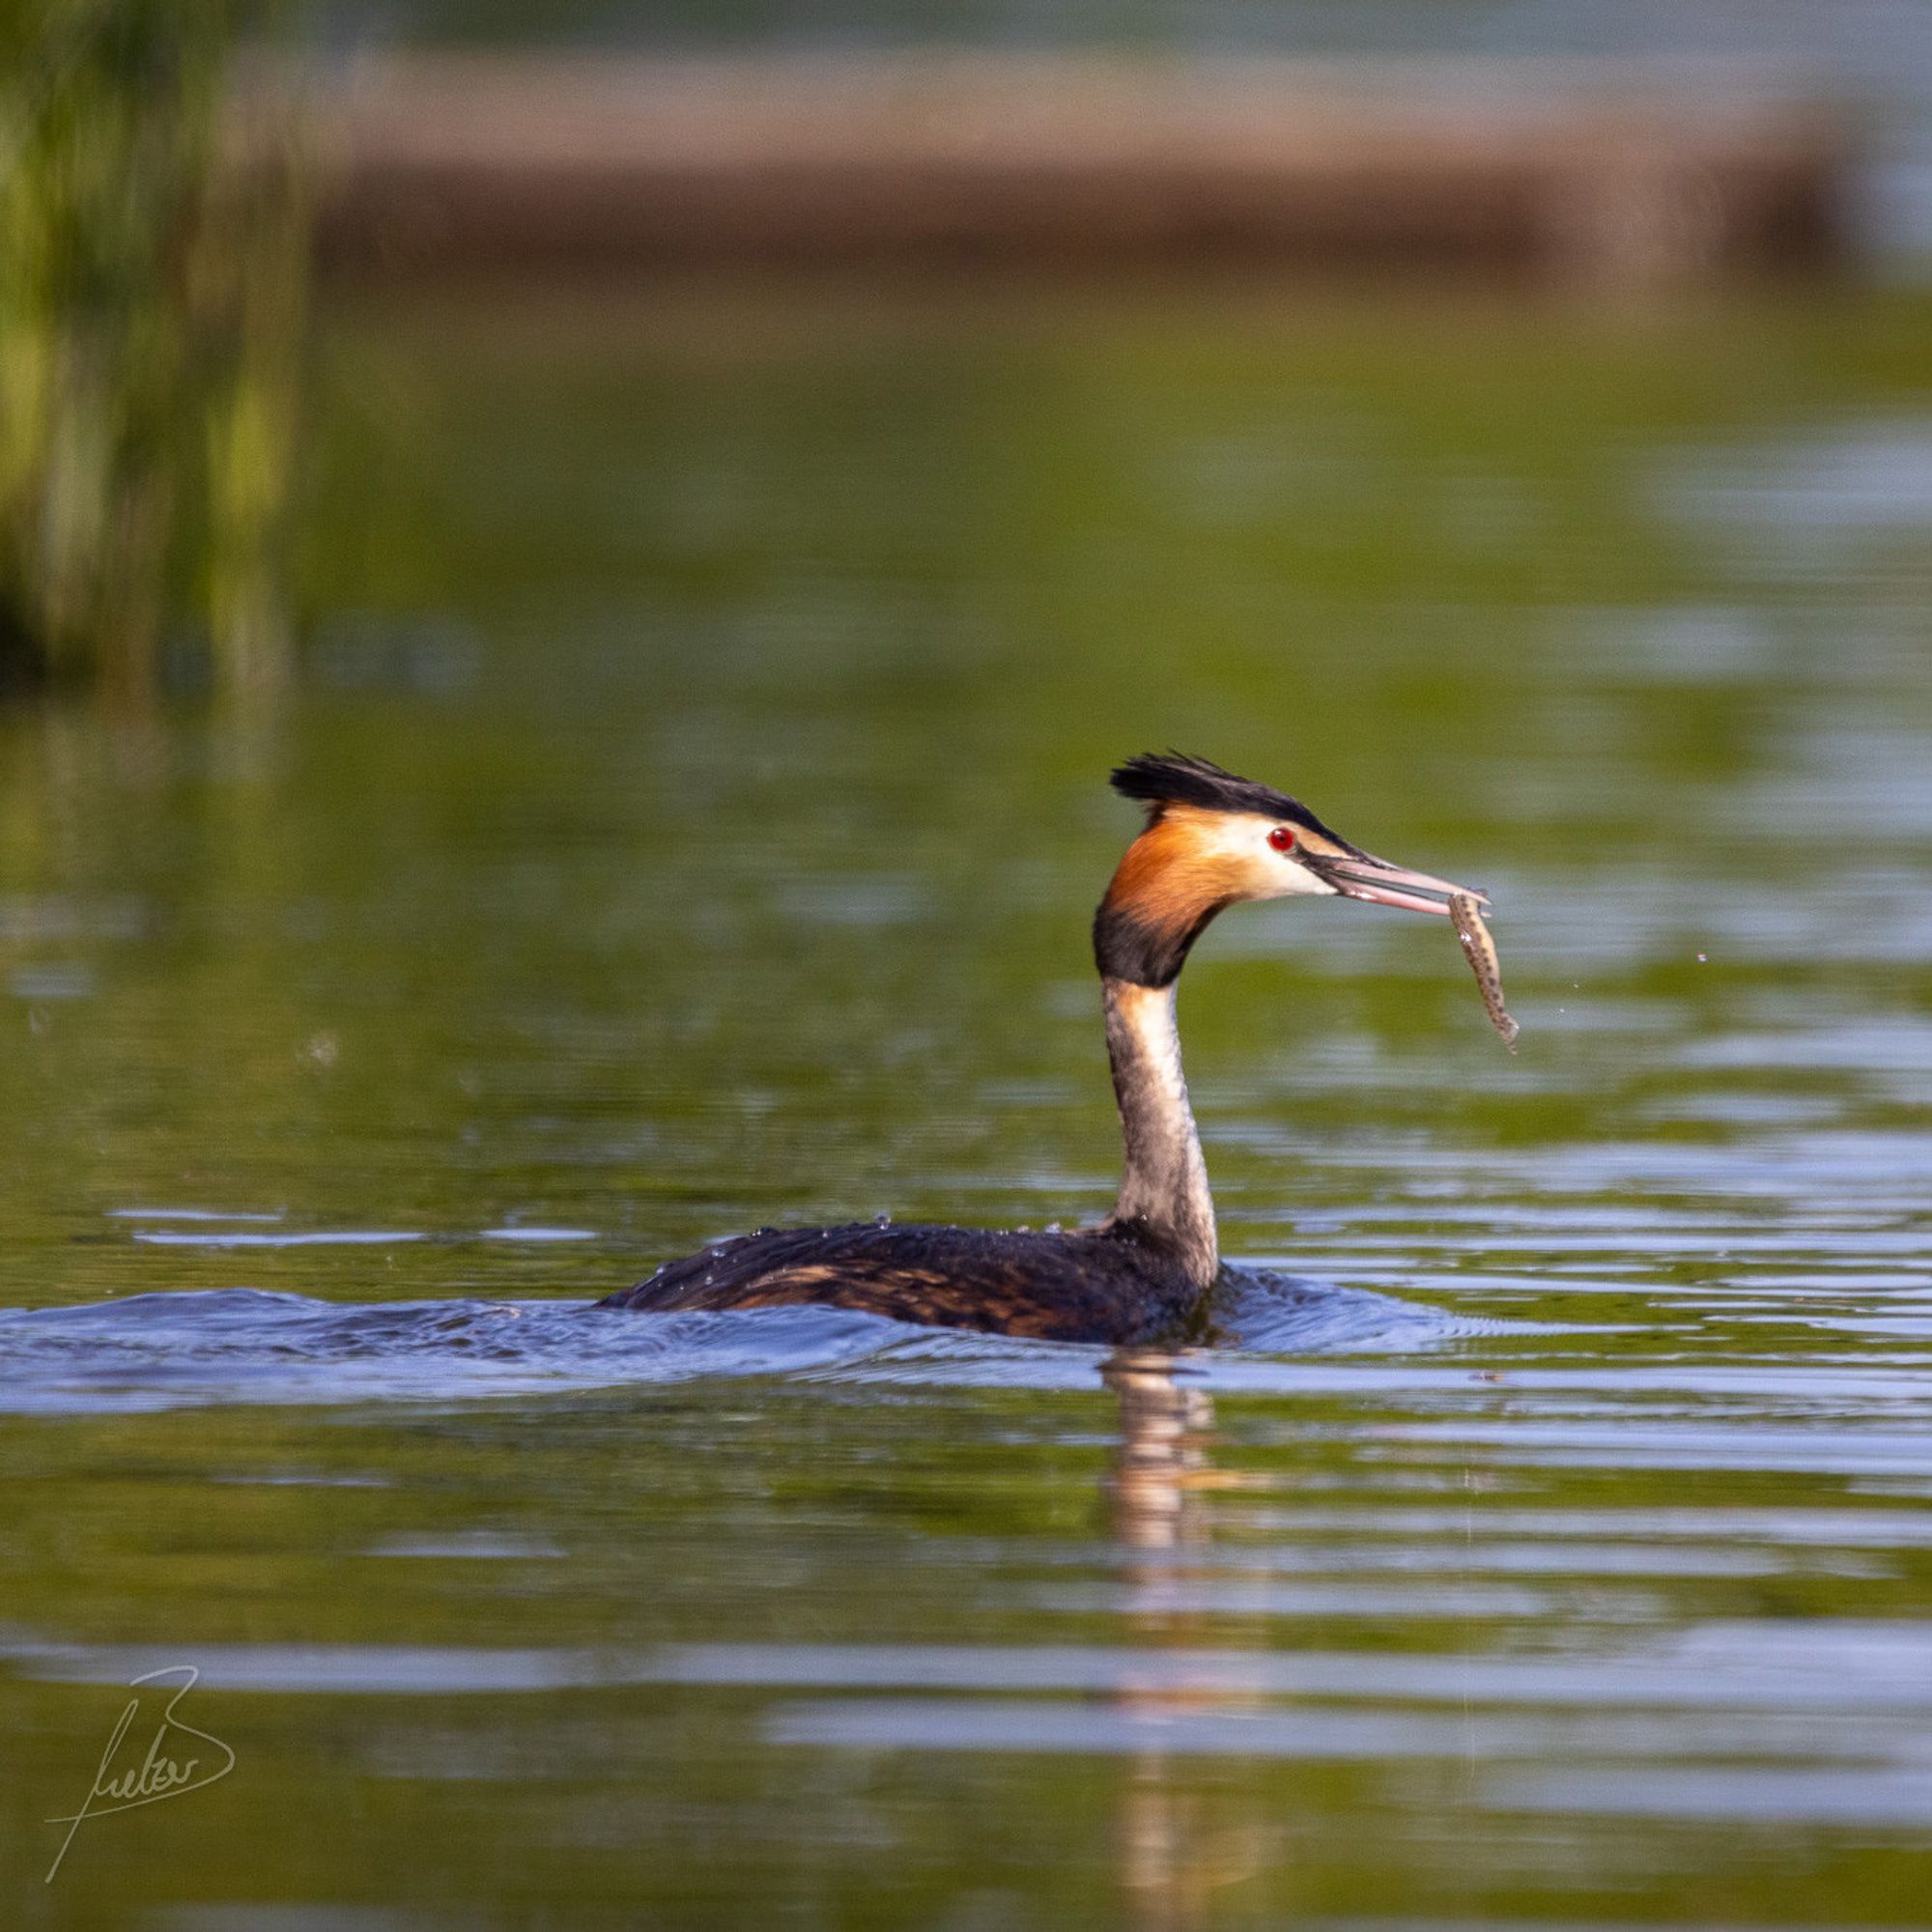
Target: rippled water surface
[{"x": 687, "y": 818}]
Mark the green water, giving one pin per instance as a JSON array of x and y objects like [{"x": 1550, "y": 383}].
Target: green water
[{"x": 688, "y": 819}]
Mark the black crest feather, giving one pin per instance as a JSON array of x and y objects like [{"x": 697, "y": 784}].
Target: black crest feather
[{"x": 1159, "y": 779}]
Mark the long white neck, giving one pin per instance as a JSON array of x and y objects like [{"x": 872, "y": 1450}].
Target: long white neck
[{"x": 1164, "y": 1188}]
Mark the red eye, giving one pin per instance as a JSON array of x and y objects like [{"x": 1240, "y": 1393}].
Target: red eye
[{"x": 1282, "y": 838}]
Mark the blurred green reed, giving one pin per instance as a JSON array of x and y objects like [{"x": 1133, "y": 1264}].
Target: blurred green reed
[{"x": 153, "y": 296}]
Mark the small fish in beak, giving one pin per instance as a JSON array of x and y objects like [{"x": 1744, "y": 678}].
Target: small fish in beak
[
  {"x": 1359, "y": 875},
  {"x": 1480, "y": 949}
]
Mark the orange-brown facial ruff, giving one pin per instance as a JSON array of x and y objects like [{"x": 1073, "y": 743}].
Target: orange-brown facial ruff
[{"x": 1186, "y": 866}]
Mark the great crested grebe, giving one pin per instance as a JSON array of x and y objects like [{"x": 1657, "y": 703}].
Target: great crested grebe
[{"x": 1143, "y": 1273}]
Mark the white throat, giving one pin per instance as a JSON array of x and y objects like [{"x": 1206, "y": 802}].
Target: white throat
[{"x": 1164, "y": 1185}]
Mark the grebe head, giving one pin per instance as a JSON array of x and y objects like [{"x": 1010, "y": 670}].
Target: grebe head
[{"x": 1213, "y": 840}]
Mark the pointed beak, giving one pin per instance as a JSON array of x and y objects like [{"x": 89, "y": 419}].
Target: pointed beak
[{"x": 1361, "y": 876}]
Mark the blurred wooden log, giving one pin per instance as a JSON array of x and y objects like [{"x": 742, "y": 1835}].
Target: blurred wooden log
[{"x": 1594, "y": 170}]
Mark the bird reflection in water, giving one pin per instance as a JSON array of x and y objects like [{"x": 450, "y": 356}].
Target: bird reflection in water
[
  {"x": 1154, "y": 1489},
  {"x": 1178, "y": 1843}
]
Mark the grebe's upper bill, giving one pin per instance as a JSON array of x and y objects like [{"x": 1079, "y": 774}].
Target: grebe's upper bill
[{"x": 1377, "y": 882}]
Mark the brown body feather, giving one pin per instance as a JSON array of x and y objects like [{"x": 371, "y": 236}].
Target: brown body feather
[{"x": 1110, "y": 1285}]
